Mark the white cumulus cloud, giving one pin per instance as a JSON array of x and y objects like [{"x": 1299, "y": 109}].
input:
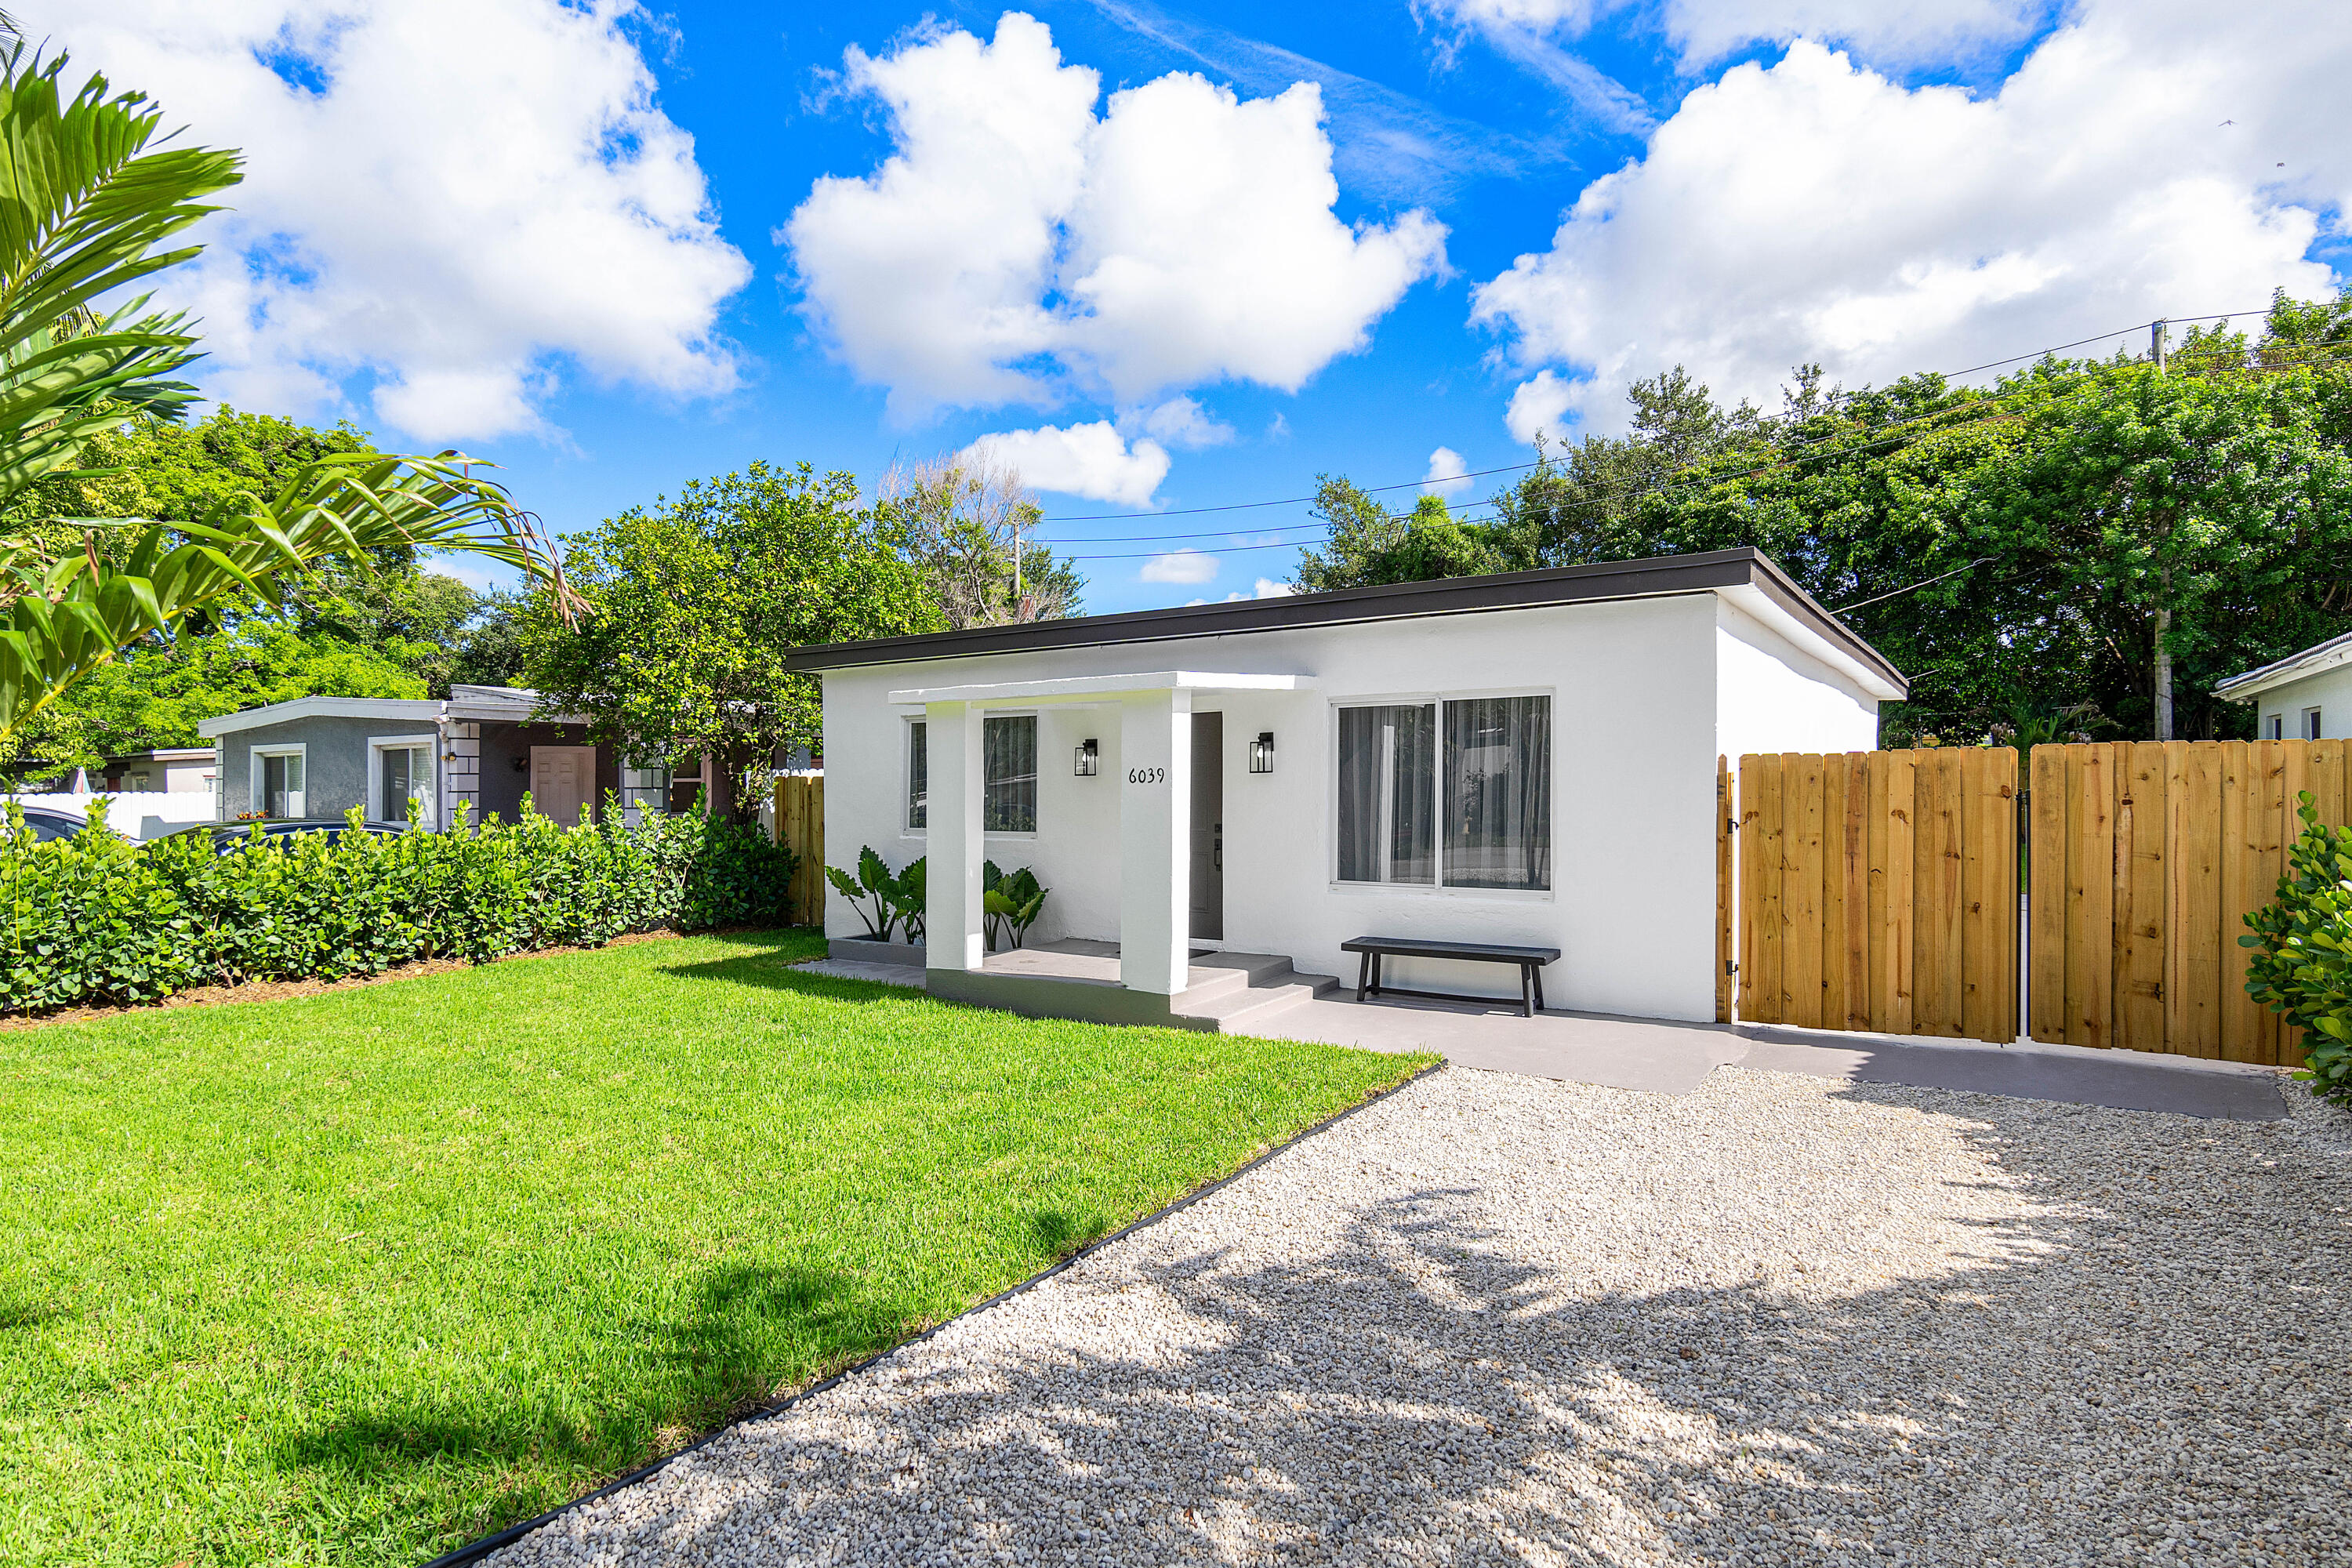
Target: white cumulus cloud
[
  {"x": 1182, "y": 423},
  {"x": 1446, "y": 474},
  {"x": 1813, "y": 210},
  {"x": 1268, "y": 588},
  {"x": 1180, "y": 566},
  {"x": 1091, "y": 460},
  {"x": 1701, "y": 30},
  {"x": 1016, "y": 246},
  {"x": 461, "y": 201}
]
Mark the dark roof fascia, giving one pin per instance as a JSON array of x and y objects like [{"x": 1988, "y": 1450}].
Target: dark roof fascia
[{"x": 1655, "y": 577}]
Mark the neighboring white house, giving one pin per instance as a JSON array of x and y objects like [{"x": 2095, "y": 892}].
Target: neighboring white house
[
  {"x": 2305, "y": 696},
  {"x": 1527, "y": 758}
]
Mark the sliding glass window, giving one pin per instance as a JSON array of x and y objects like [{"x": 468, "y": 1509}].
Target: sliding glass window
[
  {"x": 1009, "y": 755},
  {"x": 1479, "y": 768},
  {"x": 1498, "y": 793},
  {"x": 1387, "y": 794}
]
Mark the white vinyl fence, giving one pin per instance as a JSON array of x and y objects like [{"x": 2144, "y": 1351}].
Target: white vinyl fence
[{"x": 141, "y": 814}]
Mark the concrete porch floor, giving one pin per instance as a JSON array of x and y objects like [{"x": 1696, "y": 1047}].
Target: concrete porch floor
[{"x": 1659, "y": 1057}]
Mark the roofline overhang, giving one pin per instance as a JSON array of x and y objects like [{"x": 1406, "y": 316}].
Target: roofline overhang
[
  {"x": 2316, "y": 659},
  {"x": 1715, "y": 571}
]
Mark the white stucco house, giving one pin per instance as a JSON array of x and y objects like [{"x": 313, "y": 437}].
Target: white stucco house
[
  {"x": 1527, "y": 758},
  {"x": 2305, "y": 696}
]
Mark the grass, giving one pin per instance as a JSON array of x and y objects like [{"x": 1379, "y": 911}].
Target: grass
[{"x": 360, "y": 1276}]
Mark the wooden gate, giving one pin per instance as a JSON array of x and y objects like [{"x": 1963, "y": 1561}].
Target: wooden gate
[
  {"x": 2147, "y": 856},
  {"x": 800, "y": 827},
  {"x": 1878, "y": 891}
]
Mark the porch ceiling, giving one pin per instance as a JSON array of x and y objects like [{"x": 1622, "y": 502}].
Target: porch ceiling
[{"x": 1087, "y": 688}]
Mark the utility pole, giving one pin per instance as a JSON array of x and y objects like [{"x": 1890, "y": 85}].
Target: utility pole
[{"x": 2157, "y": 350}]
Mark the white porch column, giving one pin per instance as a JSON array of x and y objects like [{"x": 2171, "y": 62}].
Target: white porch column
[
  {"x": 952, "y": 932},
  {"x": 1155, "y": 895}
]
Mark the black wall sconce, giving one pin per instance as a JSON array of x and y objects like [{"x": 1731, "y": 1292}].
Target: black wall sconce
[
  {"x": 1087, "y": 760},
  {"x": 1261, "y": 753}
]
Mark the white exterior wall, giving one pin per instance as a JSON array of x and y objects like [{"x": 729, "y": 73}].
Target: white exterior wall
[
  {"x": 1774, "y": 696},
  {"x": 2330, "y": 692},
  {"x": 1637, "y": 723}
]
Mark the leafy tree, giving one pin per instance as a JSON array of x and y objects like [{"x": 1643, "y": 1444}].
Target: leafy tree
[
  {"x": 2022, "y": 549},
  {"x": 156, "y": 696},
  {"x": 966, "y": 520},
  {"x": 91, "y": 211},
  {"x": 693, "y": 605},
  {"x": 1367, "y": 545}
]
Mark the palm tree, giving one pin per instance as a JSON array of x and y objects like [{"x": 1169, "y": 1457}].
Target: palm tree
[{"x": 86, "y": 210}]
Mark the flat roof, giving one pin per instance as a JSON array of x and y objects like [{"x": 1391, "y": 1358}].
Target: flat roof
[
  {"x": 1652, "y": 577},
  {"x": 2316, "y": 659}
]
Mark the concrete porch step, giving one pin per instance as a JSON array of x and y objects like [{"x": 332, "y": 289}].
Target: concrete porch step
[
  {"x": 1250, "y": 994},
  {"x": 1218, "y": 975}
]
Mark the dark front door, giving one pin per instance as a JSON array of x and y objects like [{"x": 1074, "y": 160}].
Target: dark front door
[{"x": 1209, "y": 825}]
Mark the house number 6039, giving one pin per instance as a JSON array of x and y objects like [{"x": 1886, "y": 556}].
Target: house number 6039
[{"x": 1147, "y": 775}]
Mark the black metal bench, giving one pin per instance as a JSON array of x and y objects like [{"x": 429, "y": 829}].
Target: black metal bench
[{"x": 1530, "y": 961}]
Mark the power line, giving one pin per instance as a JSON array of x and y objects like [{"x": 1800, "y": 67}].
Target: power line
[
  {"x": 1520, "y": 468},
  {"x": 1923, "y": 582}
]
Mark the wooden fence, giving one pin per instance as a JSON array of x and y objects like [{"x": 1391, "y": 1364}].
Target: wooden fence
[
  {"x": 1878, "y": 891},
  {"x": 800, "y": 827},
  {"x": 2147, "y": 855}
]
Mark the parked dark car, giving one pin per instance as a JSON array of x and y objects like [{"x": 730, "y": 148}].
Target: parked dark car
[
  {"x": 227, "y": 836},
  {"x": 48, "y": 822}
]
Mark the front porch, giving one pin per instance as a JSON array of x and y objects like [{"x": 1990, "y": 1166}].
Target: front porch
[
  {"x": 1149, "y": 968},
  {"x": 1078, "y": 977}
]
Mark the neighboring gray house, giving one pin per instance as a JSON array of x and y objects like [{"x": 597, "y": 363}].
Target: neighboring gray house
[{"x": 319, "y": 756}]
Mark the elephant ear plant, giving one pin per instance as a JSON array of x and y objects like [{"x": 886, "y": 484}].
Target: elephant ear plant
[
  {"x": 906, "y": 898},
  {"x": 1009, "y": 905},
  {"x": 2302, "y": 961},
  {"x": 873, "y": 881}
]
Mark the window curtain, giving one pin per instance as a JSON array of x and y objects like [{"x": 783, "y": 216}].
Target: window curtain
[
  {"x": 1009, "y": 765},
  {"x": 1498, "y": 792},
  {"x": 919, "y": 782},
  {"x": 1387, "y": 794}
]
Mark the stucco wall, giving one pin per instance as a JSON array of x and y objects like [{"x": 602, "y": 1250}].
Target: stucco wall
[
  {"x": 335, "y": 763},
  {"x": 1777, "y": 696},
  {"x": 2330, "y": 692},
  {"x": 1637, "y": 725}
]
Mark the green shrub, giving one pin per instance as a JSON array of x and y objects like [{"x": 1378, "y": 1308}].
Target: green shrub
[
  {"x": 98, "y": 919},
  {"x": 2302, "y": 965}
]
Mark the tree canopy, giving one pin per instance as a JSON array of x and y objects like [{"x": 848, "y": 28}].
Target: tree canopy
[
  {"x": 693, "y": 603},
  {"x": 2022, "y": 550}
]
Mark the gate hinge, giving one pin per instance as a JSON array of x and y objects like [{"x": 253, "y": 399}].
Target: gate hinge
[
  {"x": 1731, "y": 825},
  {"x": 1729, "y": 967}
]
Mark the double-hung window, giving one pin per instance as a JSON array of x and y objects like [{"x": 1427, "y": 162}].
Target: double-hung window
[
  {"x": 1453, "y": 794},
  {"x": 1008, "y": 749}
]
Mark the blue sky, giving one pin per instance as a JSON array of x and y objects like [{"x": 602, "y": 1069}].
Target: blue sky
[{"x": 614, "y": 248}]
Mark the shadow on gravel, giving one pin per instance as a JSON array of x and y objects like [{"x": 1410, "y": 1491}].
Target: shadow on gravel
[{"x": 2124, "y": 1371}]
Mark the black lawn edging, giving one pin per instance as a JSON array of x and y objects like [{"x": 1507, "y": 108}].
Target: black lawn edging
[{"x": 474, "y": 1552}]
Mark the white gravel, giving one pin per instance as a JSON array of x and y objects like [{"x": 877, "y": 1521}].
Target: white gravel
[{"x": 1501, "y": 1318}]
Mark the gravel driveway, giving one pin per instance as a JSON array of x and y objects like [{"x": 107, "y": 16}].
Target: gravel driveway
[{"x": 1502, "y": 1319}]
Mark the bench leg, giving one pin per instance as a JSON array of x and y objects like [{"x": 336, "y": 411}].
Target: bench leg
[
  {"x": 1376, "y": 971},
  {"x": 1363, "y": 974},
  {"x": 1527, "y": 990},
  {"x": 1539, "y": 1001}
]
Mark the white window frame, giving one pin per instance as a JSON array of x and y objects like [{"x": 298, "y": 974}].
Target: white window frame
[
  {"x": 1439, "y": 890},
  {"x": 2274, "y": 727},
  {"x": 257, "y": 777},
  {"x": 2309, "y": 729},
  {"x": 379, "y": 745},
  {"x": 907, "y": 723}
]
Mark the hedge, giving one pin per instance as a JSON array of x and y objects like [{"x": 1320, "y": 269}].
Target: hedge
[
  {"x": 2302, "y": 963},
  {"x": 98, "y": 919}
]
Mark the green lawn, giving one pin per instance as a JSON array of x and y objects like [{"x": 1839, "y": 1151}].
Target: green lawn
[{"x": 356, "y": 1277}]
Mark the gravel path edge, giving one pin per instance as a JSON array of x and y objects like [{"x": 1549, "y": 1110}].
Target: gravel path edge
[{"x": 474, "y": 1550}]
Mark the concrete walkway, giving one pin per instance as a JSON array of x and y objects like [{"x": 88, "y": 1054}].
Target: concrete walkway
[{"x": 1663, "y": 1057}]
